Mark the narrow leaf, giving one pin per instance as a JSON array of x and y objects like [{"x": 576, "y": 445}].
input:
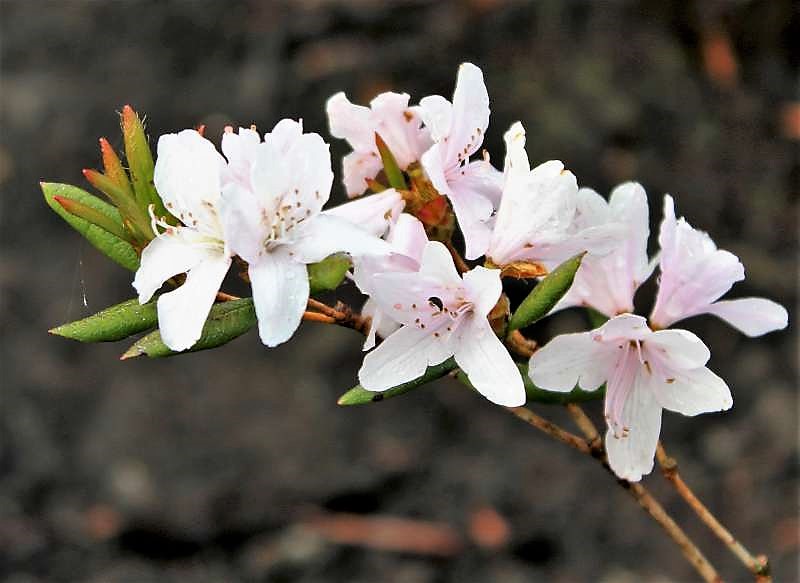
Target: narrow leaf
[
  {"x": 536, "y": 395},
  {"x": 393, "y": 173},
  {"x": 140, "y": 161},
  {"x": 112, "y": 168},
  {"x": 92, "y": 215},
  {"x": 227, "y": 320},
  {"x": 112, "y": 246},
  {"x": 328, "y": 274},
  {"x": 358, "y": 395},
  {"x": 113, "y": 323},
  {"x": 596, "y": 319},
  {"x": 545, "y": 295}
]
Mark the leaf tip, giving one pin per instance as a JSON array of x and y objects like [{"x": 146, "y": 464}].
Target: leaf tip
[{"x": 132, "y": 352}]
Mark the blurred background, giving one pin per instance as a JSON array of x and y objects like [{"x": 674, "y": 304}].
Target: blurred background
[{"x": 236, "y": 465}]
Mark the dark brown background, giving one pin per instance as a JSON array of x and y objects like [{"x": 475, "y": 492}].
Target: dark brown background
[{"x": 199, "y": 468}]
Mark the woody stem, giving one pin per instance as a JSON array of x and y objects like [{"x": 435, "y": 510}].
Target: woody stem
[{"x": 758, "y": 565}]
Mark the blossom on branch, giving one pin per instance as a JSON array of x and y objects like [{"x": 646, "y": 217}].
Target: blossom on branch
[
  {"x": 457, "y": 130},
  {"x": 695, "y": 274},
  {"x": 536, "y": 225},
  {"x": 442, "y": 315},
  {"x": 644, "y": 372},
  {"x": 389, "y": 116},
  {"x": 608, "y": 283},
  {"x": 188, "y": 176},
  {"x": 274, "y": 222}
]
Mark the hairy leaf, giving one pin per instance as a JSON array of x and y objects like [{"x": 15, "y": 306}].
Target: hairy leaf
[{"x": 113, "y": 323}]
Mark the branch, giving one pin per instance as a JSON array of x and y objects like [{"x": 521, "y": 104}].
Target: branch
[
  {"x": 758, "y": 565},
  {"x": 460, "y": 264},
  {"x": 550, "y": 428},
  {"x": 594, "y": 447}
]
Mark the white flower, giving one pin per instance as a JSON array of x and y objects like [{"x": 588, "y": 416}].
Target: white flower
[
  {"x": 695, "y": 274},
  {"x": 536, "y": 222},
  {"x": 457, "y": 130},
  {"x": 273, "y": 220},
  {"x": 442, "y": 315},
  {"x": 608, "y": 283},
  {"x": 644, "y": 371},
  {"x": 407, "y": 240},
  {"x": 390, "y": 116},
  {"x": 188, "y": 176}
]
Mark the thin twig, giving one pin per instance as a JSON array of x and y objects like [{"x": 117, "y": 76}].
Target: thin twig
[
  {"x": 461, "y": 265},
  {"x": 523, "y": 346},
  {"x": 758, "y": 565},
  {"x": 317, "y": 317},
  {"x": 550, "y": 428},
  {"x": 693, "y": 554},
  {"x": 225, "y": 297},
  {"x": 325, "y": 309}
]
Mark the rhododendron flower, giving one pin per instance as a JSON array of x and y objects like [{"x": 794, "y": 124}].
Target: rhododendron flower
[
  {"x": 188, "y": 176},
  {"x": 374, "y": 213},
  {"x": 388, "y": 115},
  {"x": 272, "y": 216},
  {"x": 644, "y": 372},
  {"x": 695, "y": 274},
  {"x": 407, "y": 240},
  {"x": 608, "y": 282},
  {"x": 535, "y": 226},
  {"x": 457, "y": 130},
  {"x": 442, "y": 315}
]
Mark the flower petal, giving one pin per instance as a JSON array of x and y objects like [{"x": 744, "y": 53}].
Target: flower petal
[
  {"x": 242, "y": 216},
  {"x": 487, "y": 363},
  {"x": 240, "y": 150},
  {"x": 350, "y": 122},
  {"x": 182, "y": 312},
  {"x": 317, "y": 237},
  {"x": 374, "y": 213},
  {"x": 407, "y": 237},
  {"x": 168, "y": 254},
  {"x": 357, "y": 168},
  {"x": 280, "y": 293},
  {"x": 402, "y": 357},
  {"x": 379, "y": 324},
  {"x": 470, "y": 116},
  {"x": 631, "y": 454},
  {"x": 569, "y": 360},
  {"x": 437, "y": 114},
  {"x": 752, "y": 316},
  {"x": 677, "y": 349},
  {"x": 483, "y": 288},
  {"x": 187, "y": 176},
  {"x": 693, "y": 392},
  {"x": 437, "y": 263}
]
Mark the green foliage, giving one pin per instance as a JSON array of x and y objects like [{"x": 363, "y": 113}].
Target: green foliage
[
  {"x": 545, "y": 295},
  {"x": 358, "y": 395},
  {"x": 113, "y": 323},
  {"x": 111, "y": 245},
  {"x": 227, "y": 320},
  {"x": 328, "y": 274}
]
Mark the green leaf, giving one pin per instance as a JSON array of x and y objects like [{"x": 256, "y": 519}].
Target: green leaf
[
  {"x": 328, "y": 274},
  {"x": 113, "y": 323},
  {"x": 545, "y": 295},
  {"x": 596, "y": 319},
  {"x": 537, "y": 395},
  {"x": 112, "y": 246},
  {"x": 227, "y": 320},
  {"x": 140, "y": 161},
  {"x": 393, "y": 173},
  {"x": 93, "y": 216},
  {"x": 358, "y": 395}
]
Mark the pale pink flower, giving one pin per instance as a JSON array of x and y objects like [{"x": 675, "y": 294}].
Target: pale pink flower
[
  {"x": 273, "y": 220},
  {"x": 188, "y": 176},
  {"x": 374, "y": 213},
  {"x": 537, "y": 218},
  {"x": 608, "y": 282},
  {"x": 388, "y": 115},
  {"x": 407, "y": 240},
  {"x": 644, "y": 372},
  {"x": 695, "y": 274},
  {"x": 442, "y": 315},
  {"x": 457, "y": 130}
]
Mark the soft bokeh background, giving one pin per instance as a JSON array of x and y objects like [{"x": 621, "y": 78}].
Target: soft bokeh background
[{"x": 207, "y": 467}]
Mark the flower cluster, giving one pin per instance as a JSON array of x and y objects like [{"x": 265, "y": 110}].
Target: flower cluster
[{"x": 415, "y": 174}]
